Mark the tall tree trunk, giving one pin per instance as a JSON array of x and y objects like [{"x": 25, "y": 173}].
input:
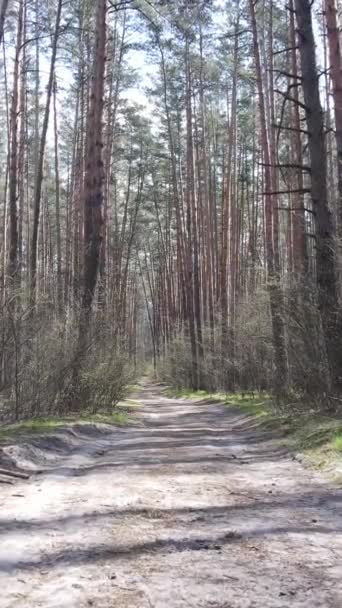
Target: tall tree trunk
[
  {"x": 270, "y": 114},
  {"x": 194, "y": 303},
  {"x": 3, "y": 10},
  {"x": 40, "y": 167},
  {"x": 93, "y": 183},
  {"x": 22, "y": 156},
  {"x": 274, "y": 289},
  {"x": 181, "y": 240},
  {"x": 325, "y": 245},
  {"x": 13, "y": 170},
  {"x": 335, "y": 59},
  {"x": 300, "y": 253},
  {"x": 228, "y": 215},
  {"x": 58, "y": 211}
]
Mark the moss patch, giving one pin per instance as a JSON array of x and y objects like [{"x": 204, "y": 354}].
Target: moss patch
[
  {"x": 129, "y": 403},
  {"x": 43, "y": 426},
  {"x": 133, "y": 388},
  {"x": 260, "y": 405},
  {"x": 337, "y": 443},
  {"x": 177, "y": 393}
]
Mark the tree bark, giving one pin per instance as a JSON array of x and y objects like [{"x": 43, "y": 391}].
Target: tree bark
[
  {"x": 274, "y": 289},
  {"x": 194, "y": 306},
  {"x": 58, "y": 212},
  {"x": 94, "y": 173},
  {"x": 335, "y": 59},
  {"x": 13, "y": 170},
  {"x": 300, "y": 253},
  {"x": 3, "y": 11},
  {"x": 40, "y": 167},
  {"x": 325, "y": 245}
]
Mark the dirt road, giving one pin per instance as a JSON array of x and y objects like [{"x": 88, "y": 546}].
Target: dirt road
[{"x": 190, "y": 507}]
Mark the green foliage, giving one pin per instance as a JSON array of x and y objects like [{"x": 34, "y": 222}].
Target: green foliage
[
  {"x": 337, "y": 443},
  {"x": 176, "y": 368},
  {"x": 103, "y": 385},
  {"x": 35, "y": 426},
  {"x": 183, "y": 393},
  {"x": 260, "y": 406}
]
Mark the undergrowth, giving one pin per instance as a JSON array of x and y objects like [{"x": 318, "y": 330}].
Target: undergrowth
[{"x": 42, "y": 426}]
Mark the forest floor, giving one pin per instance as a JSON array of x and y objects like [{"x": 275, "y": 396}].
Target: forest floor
[{"x": 192, "y": 505}]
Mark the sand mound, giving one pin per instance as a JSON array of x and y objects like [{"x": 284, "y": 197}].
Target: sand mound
[{"x": 41, "y": 452}]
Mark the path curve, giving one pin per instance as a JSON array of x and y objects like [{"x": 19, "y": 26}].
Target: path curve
[{"x": 192, "y": 506}]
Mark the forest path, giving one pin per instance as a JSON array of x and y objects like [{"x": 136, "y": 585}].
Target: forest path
[{"x": 191, "y": 507}]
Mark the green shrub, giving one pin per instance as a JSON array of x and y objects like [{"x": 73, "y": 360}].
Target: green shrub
[{"x": 104, "y": 384}]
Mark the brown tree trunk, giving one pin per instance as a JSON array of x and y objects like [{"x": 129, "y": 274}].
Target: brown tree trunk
[
  {"x": 272, "y": 141},
  {"x": 335, "y": 59},
  {"x": 194, "y": 306},
  {"x": 181, "y": 240},
  {"x": 325, "y": 245},
  {"x": 22, "y": 155},
  {"x": 93, "y": 183},
  {"x": 278, "y": 326},
  {"x": 58, "y": 212},
  {"x": 300, "y": 254},
  {"x": 40, "y": 167},
  {"x": 13, "y": 170}
]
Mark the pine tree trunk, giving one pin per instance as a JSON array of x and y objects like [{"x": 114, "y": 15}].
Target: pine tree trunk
[
  {"x": 300, "y": 253},
  {"x": 325, "y": 245},
  {"x": 274, "y": 289},
  {"x": 22, "y": 157},
  {"x": 58, "y": 212},
  {"x": 13, "y": 169},
  {"x": 335, "y": 58},
  {"x": 40, "y": 167},
  {"x": 94, "y": 173},
  {"x": 3, "y": 10},
  {"x": 194, "y": 299}
]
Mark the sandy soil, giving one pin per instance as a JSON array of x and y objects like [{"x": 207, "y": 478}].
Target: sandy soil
[{"x": 192, "y": 506}]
